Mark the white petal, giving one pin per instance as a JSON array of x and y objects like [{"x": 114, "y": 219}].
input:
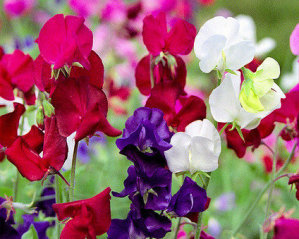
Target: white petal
[
  {"x": 271, "y": 100},
  {"x": 264, "y": 46},
  {"x": 227, "y": 27},
  {"x": 224, "y": 100},
  {"x": 70, "y": 144},
  {"x": 210, "y": 53},
  {"x": 239, "y": 54},
  {"x": 203, "y": 156},
  {"x": 177, "y": 157},
  {"x": 248, "y": 120},
  {"x": 247, "y": 27},
  {"x": 271, "y": 70}
]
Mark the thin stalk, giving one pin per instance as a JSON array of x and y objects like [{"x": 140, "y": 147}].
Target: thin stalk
[
  {"x": 177, "y": 228},
  {"x": 266, "y": 187},
  {"x": 198, "y": 228},
  {"x": 16, "y": 183},
  {"x": 58, "y": 197},
  {"x": 223, "y": 128},
  {"x": 73, "y": 172},
  {"x": 272, "y": 179}
]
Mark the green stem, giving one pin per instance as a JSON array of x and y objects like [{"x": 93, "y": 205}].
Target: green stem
[
  {"x": 198, "y": 228},
  {"x": 177, "y": 228},
  {"x": 72, "y": 182},
  {"x": 58, "y": 196},
  {"x": 16, "y": 183},
  {"x": 223, "y": 128},
  {"x": 266, "y": 187}
]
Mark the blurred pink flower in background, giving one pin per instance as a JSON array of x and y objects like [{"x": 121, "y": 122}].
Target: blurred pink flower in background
[
  {"x": 294, "y": 40},
  {"x": 86, "y": 8},
  {"x": 115, "y": 11},
  {"x": 17, "y": 8}
]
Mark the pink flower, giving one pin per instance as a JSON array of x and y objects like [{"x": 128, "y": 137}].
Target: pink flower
[
  {"x": 64, "y": 40},
  {"x": 16, "y": 8},
  {"x": 294, "y": 40},
  {"x": 85, "y": 8},
  {"x": 286, "y": 228}
]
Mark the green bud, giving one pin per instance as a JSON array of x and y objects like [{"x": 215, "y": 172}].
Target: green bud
[
  {"x": 48, "y": 108},
  {"x": 40, "y": 116}
]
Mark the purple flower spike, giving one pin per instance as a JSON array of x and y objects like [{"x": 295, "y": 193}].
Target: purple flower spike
[
  {"x": 145, "y": 162},
  {"x": 146, "y": 129},
  {"x": 190, "y": 198}
]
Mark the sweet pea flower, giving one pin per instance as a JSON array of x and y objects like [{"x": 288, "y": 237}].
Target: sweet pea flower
[
  {"x": 64, "y": 40},
  {"x": 16, "y": 8},
  {"x": 88, "y": 218},
  {"x": 197, "y": 149},
  {"x": 294, "y": 40},
  {"x": 259, "y": 93},
  {"x": 219, "y": 45},
  {"x": 225, "y": 104},
  {"x": 248, "y": 32}
]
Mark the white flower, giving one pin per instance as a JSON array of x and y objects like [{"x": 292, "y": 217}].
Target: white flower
[
  {"x": 248, "y": 32},
  {"x": 220, "y": 45},
  {"x": 226, "y": 107},
  {"x": 195, "y": 150},
  {"x": 290, "y": 79}
]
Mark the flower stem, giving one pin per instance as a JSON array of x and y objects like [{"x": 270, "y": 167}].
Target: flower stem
[
  {"x": 266, "y": 187},
  {"x": 16, "y": 182},
  {"x": 72, "y": 182},
  {"x": 177, "y": 228},
  {"x": 58, "y": 197},
  {"x": 198, "y": 228}
]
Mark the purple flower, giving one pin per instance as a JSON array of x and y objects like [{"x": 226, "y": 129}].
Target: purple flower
[
  {"x": 45, "y": 206},
  {"x": 147, "y": 130},
  {"x": 189, "y": 198},
  {"x": 225, "y": 202},
  {"x": 145, "y": 162},
  {"x": 155, "y": 190},
  {"x": 140, "y": 223},
  {"x": 6, "y": 230},
  {"x": 40, "y": 227}
]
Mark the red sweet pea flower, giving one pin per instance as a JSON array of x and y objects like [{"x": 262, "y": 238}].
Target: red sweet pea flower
[
  {"x": 24, "y": 152},
  {"x": 295, "y": 180},
  {"x": 235, "y": 142},
  {"x": 9, "y": 124},
  {"x": 178, "y": 41},
  {"x": 16, "y": 71},
  {"x": 82, "y": 107},
  {"x": 89, "y": 218},
  {"x": 64, "y": 40},
  {"x": 286, "y": 228},
  {"x": 42, "y": 75}
]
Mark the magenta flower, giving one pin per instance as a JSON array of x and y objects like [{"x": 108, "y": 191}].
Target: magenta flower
[
  {"x": 286, "y": 228},
  {"x": 64, "y": 40},
  {"x": 16, "y": 8},
  {"x": 294, "y": 40}
]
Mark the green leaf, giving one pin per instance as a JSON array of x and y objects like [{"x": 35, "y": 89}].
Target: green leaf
[{"x": 30, "y": 234}]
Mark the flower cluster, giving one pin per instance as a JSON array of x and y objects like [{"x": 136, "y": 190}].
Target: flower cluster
[{"x": 148, "y": 185}]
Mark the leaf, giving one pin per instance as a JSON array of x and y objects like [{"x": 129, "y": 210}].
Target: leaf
[{"x": 30, "y": 234}]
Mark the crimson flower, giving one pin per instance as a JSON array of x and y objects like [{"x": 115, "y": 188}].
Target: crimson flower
[
  {"x": 81, "y": 107},
  {"x": 286, "y": 228},
  {"x": 88, "y": 218},
  {"x": 24, "y": 152},
  {"x": 295, "y": 180},
  {"x": 64, "y": 40},
  {"x": 16, "y": 71}
]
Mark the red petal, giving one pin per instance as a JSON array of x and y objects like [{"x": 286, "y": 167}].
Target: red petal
[
  {"x": 55, "y": 146},
  {"x": 98, "y": 211},
  {"x": 30, "y": 97},
  {"x": 34, "y": 139},
  {"x": 193, "y": 108},
  {"x": 64, "y": 40},
  {"x": 180, "y": 39},
  {"x": 9, "y": 124},
  {"x": 26, "y": 160},
  {"x": 142, "y": 75},
  {"x": 154, "y": 33},
  {"x": 20, "y": 68},
  {"x": 42, "y": 74},
  {"x": 6, "y": 89}
]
